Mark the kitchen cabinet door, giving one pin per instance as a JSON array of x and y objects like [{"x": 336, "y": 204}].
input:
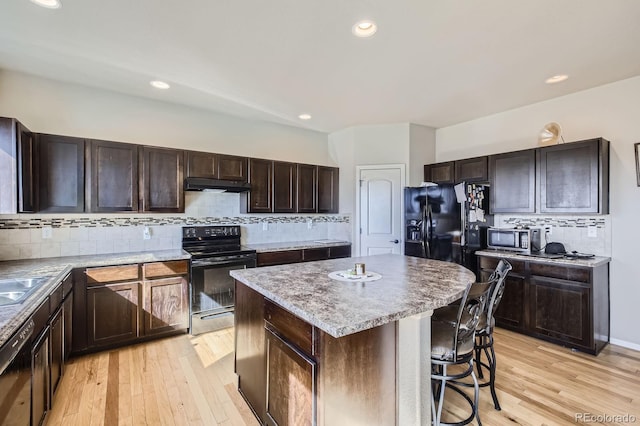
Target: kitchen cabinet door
[
  {"x": 574, "y": 177},
  {"x": 472, "y": 170},
  {"x": 260, "y": 198},
  {"x": 112, "y": 180},
  {"x": 68, "y": 326},
  {"x": 40, "y": 378},
  {"x": 440, "y": 172},
  {"x": 112, "y": 312},
  {"x": 284, "y": 187},
  {"x": 161, "y": 180},
  {"x": 291, "y": 383},
  {"x": 307, "y": 176},
  {"x": 513, "y": 180},
  {"x": 328, "y": 188},
  {"x": 56, "y": 349},
  {"x": 561, "y": 309},
  {"x": 165, "y": 305},
  {"x": 511, "y": 310},
  {"x": 61, "y": 174},
  {"x": 27, "y": 170},
  {"x": 231, "y": 167},
  {"x": 202, "y": 165}
]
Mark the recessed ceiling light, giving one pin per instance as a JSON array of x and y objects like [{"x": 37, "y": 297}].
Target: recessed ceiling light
[
  {"x": 159, "y": 84},
  {"x": 364, "y": 29},
  {"x": 49, "y": 4},
  {"x": 556, "y": 79},
  {"x": 304, "y": 117}
]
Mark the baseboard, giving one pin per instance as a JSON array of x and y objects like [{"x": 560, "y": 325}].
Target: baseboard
[{"x": 625, "y": 344}]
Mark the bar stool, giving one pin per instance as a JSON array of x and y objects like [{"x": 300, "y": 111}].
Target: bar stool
[
  {"x": 484, "y": 330},
  {"x": 452, "y": 344}
]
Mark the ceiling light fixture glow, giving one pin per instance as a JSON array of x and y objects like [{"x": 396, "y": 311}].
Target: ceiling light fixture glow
[
  {"x": 49, "y": 4},
  {"x": 556, "y": 79},
  {"x": 304, "y": 117},
  {"x": 159, "y": 84},
  {"x": 364, "y": 29}
]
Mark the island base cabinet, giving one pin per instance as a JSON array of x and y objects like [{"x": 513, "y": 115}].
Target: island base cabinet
[
  {"x": 291, "y": 384},
  {"x": 250, "y": 348}
]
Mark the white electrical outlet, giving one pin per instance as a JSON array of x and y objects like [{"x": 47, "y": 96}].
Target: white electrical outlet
[
  {"x": 265, "y": 226},
  {"x": 146, "y": 233},
  {"x": 548, "y": 229},
  {"x": 47, "y": 232},
  {"x": 592, "y": 232}
]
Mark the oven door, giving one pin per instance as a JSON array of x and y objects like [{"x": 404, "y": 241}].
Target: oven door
[{"x": 213, "y": 291}]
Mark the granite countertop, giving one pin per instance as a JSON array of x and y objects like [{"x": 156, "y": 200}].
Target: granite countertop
[
  {"x": 296, "y": 245},
  {"x": 589, "y": 263},
  {"x": 56, "y": 268},
  {"x": 409, "y": 286}
]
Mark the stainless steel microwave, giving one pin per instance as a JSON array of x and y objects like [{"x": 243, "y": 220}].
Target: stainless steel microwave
[{"x": 524, "y": 241}]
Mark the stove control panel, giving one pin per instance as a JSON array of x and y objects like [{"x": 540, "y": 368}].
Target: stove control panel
[{"x": 212, "y": 232}]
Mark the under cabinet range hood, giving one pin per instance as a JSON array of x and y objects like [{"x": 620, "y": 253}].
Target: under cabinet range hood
[{"x": 202, "y": 184}]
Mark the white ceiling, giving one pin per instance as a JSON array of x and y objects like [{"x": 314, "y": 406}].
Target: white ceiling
[{"x": 432, "y": 62}]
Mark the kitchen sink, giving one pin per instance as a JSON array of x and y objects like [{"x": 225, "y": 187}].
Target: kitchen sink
[{"x": 15, "y": 290}]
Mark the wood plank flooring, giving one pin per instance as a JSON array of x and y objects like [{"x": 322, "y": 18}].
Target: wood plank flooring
[{"x": 187, "y": 380}]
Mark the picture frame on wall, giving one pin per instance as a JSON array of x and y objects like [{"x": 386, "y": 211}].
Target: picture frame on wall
[{"x": 637, "y": 150}]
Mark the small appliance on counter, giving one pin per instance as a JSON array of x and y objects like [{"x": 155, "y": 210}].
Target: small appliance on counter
[
  {"x": 524, "y": 241},
  {"x": 555, "y": 248}
]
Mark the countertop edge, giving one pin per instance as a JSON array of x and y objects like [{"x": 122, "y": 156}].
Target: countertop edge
[{"x": 589, "y": 263}]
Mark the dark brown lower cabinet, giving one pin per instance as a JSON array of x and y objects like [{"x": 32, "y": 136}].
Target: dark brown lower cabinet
[
  {"x": 291, "y": 383},
  {"x": 40, "y": 378},
  {"x": 56, "y": 347},
  {"x": 291, "y": 373},
  {"x": 165, "y": 305},
  {"x": 561, "y": 303},
  {"x": 303, "y": 255},
  {"x": 112, "y": 311},
  {"x": 68, "y": 326}
]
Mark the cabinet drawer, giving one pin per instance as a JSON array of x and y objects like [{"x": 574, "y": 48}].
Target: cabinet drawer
[
  {"x": 55, "y": 299},
  {"x": 339, "y": 251},
  {"x": 41, "y": 317},
  {"x": 279, "y": 257},
  {"x": 108, "y": 274},
  {"x": 165, "y": 269},
  {"x": 289, "y": 326},
  {"x": 67, "y": 285},
  {"x": 490, "y": 263},
  {"x": 562, "y": 272},
  {"x": 315, "y": 254}
]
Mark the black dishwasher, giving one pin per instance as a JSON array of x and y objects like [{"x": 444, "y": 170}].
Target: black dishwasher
[{"x": 15, "y": 377}]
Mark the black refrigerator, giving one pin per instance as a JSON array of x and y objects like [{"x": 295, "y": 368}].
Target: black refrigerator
[{"x": 447, "y": 222}]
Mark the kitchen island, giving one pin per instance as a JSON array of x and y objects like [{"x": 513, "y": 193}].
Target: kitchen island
[{"x": 314, "y": 350}]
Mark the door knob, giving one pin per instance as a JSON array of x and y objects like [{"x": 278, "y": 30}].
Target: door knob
[{"x": 394, "y": 241}]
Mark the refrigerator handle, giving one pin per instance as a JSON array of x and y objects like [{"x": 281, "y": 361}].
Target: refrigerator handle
[{"x": 426, "y": 231}]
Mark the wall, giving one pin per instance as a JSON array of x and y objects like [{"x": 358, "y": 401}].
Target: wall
[
  {"x": 48, "y": 106},
  {"x": 610, "y": 111}
]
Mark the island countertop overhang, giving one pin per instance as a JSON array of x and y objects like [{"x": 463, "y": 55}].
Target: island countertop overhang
[{"x": 409, "y": 286}]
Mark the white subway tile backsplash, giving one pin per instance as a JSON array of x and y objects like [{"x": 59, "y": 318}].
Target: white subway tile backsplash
[{"x": 50, "y": 249}]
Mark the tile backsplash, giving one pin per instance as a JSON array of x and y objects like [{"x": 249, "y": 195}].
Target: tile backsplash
[
  {"x": 585, "y": 234},
  {"x": 21, "y": 236}
]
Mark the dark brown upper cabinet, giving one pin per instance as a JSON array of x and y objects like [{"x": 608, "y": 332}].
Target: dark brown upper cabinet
[
  {"x": 112, "y": 176},
  {"x": 328, "y": 189},
  {"x": 440, "y": 172},
  {"x": 18, "y": 168},
  {"x": 472, "y": 170},
  {"x": 202, "y": 165},
  {"x": 61, "y": 174},
  {"x": 307, "y": 176},
  {"x": 260, "y": 198},
  {"x": 513, "y": 180},
  {"x": 161, "y": 172},
  {"x": 574, "y": 177},
  {"x": 284, "y": 187},
  {"x": 231, "y": 167}
]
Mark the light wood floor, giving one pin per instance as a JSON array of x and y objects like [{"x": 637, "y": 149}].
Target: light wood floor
[{"x": 190, "y": 380}]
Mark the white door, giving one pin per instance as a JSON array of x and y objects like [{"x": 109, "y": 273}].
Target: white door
[{"x": 380, "y": 213}]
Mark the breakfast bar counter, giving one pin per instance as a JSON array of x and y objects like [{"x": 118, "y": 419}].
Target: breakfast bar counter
[{"x": 353, "y": 352}]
